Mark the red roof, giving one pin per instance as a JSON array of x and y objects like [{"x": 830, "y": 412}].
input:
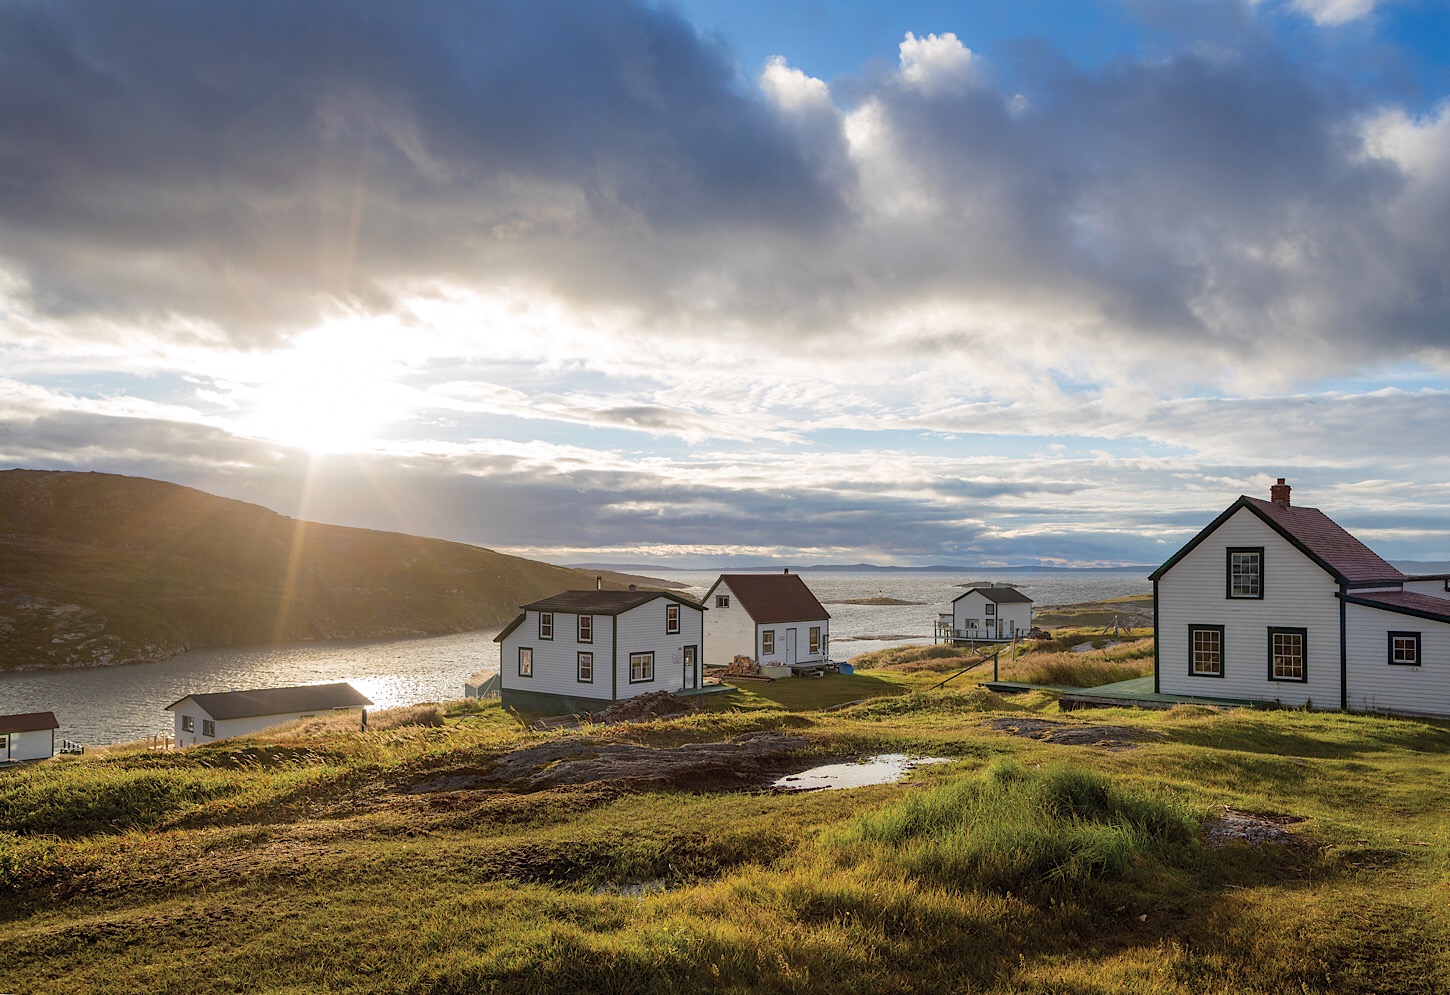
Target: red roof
[
  {"x": 773, "y": 597},
  {"x": 28, "y": 722},
  {"x": 1318, "y": 534},
  {"x": 1405, "y": 601}
]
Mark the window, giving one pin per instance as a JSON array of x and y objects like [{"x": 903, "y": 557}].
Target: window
[
  {"x": 815, "y": 639},
  {"x": 641, "y": 667},
  {"x": 1245, "y": 572},
  {"x": 1205, "y": 650},
  {"x": 1405, "y": 649},
  {"x": 672, "y": 618},
  {"x": 722, "y": 601},
  {"x": 188, "y": 724},
  {"x": 2, "y": 742},
  {"x": 526, "y": 661},
  {"x": 1286, "y": 654},
  {"x": 208, "y": 727},
  {"x": 991, "y": 609},
  {"x": 546, "y": 625},
  {"x": 767, "y": 642},
  {"x": 586, "y": 668},
  {"x": 586, "y": 628}
]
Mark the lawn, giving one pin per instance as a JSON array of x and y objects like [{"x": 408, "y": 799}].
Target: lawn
[{"x": 321, "y": 858}]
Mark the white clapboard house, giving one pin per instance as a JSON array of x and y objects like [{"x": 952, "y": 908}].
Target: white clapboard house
[
  {"x": 1274, "y": 602},
  {"x": 581, "y": 651},
  {"x": 991, "y": 613},
  {"x": 207, "y": 717},
  {"x": 773, "y": 619},
  {"x": 29, "y": 736}
]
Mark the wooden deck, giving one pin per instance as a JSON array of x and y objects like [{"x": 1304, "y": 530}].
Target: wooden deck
[{"x": 1136, "y": 693}]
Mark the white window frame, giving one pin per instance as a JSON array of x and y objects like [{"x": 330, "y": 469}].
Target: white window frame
[
  {"x": 546, "y": 625},
  {"x": 585, "y": 667},
  {"x": 584, "y": 629},
  {"x": 722, "y": 601},
  {"x": 672, "y": 619}
]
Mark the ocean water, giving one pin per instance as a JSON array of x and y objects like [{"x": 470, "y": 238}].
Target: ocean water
[{"x": 117, "y": 704}]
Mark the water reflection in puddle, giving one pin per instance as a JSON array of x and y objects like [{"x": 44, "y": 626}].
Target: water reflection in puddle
[{"x": 884, "y": 768}]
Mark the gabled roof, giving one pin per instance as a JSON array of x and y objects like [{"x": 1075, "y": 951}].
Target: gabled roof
[
  {"x": 1405, "y": 603},
  {"x": 276, "y": 701},
  {"x": 594, "y": 603},
  {"x": 28, "y": 722},
  {"x": 1313, "y": 533},
  {"x": 997, "y": 595},
  {"x": 769, "y": 598}
]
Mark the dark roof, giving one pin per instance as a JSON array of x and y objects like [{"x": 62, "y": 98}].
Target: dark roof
[
  {"x": 276, "y": 701},
  {"x": 510, "y": 628},
  {"x": 1405, "y": 603},
  {"x": 770, "y": 598},
  {"x": 603, "y": 602},
  {"x": 997, "y": 595},
  {"x": 1315, "y": 535},
  {"x": 28, "y": 722}
]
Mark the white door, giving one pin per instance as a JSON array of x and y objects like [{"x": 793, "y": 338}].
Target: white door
[
  {"x": 690, "y": 654},
  {"x": 790, "y": 647}
]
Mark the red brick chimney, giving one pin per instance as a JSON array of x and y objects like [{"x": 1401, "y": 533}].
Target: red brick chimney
[{"x": 1279, "y": 493}]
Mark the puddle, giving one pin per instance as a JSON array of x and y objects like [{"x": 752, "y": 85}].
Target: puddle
[{"x": 884, "y": 768}]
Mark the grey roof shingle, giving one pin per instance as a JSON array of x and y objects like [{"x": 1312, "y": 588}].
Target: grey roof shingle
[
  {"x": 277, "y": 701},
  {"x": 602, "y": 602},
  {"x": 997, "y": 595}
]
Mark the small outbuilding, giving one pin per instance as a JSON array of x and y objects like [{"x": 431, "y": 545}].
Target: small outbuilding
[
  {"x": 205, "y": 718},
  {"x": 991, "y": 613},
  {"x": 773, "y": 619},
  {"x": 29, "y": 736}
]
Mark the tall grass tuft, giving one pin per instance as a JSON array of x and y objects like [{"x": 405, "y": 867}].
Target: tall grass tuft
[{"x": 1038, "y": 834}]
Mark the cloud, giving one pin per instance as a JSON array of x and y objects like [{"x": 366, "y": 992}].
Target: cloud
[{"x": 1334, "y": 12}]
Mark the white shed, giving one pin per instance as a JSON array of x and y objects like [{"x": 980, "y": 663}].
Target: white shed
[
  {"x": 773, "y": 619},
  {"x": 581, "y": 651},
  {"x": 29, "y": 736},
  {"x": 205, "y": 718}
]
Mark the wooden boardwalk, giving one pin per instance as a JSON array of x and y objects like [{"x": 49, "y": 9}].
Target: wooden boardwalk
[{"x": 1136, "y": 693}]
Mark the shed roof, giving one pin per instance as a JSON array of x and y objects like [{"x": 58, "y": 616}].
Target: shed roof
[
  {"x": 277, "y": 701},
  {"x": 769, "y": 598},
  {"x": 1314, "y": 533},
  {"x": 1405, "y": 603},
  {"x": 28, "y": 722},
  {"x": 997, "y": 595}
]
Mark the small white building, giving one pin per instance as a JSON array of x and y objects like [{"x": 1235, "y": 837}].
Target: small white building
[
  {"x": 773, "y": 619},
  {"x": 995, "y": 613},
  {"x": 581, "y": 651},
  {"x": 1273, "y": 602},
  {"x": 205, "y": 718},
  {"x": 30, "y": 736}
]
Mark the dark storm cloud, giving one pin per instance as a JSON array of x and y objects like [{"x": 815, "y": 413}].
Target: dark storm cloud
[{"x": 234, "y": 161}]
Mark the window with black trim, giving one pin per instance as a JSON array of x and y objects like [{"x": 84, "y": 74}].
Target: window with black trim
[
  {"x": 1205, "y": 650},
  {"x": 722, "y": 601},
  {"x": 188, "y": 724},
  {"x": 815, "y": 639},
  {"x": 546, "y": 625},
  {"x": 1245, "y": 572},
  {"x": 526, "y": 661},
  {"x": 1286, "y": 654},
  {"x": 586, "y": 668},
  {"x": 672, "y": 618},
  {"x": 586, "y": 628},
  {"x": 767, "y": 642},
  {"x": 1405, "y": 649},
  {"x": 641, "y": 667},
  {"x": 208, "y": 727},
  {"x": 991, "y": 609}
]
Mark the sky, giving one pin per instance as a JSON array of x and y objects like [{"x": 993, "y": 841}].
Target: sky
[{"x": 737, "y": 282}]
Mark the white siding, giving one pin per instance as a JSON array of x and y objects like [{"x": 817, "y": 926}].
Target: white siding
[
  {"x": 1436, "y": 588},
  {"x": 1297, "y": 594},
  {"x": 238, "y": 727},
  {"x": 642, "y": 630},
  {"x": 972, "y": 606},
  {"x": 1375, "y": 685},
  {"x": 556, "y": 661},
  {"x": 34, "y": 744},
  {"x": 730, "y": 631},
  {"x": 803, "y": 654}
]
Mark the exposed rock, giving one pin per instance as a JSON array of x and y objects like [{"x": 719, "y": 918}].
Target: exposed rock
[
  {"x": 1251, "y": 828},
  {"x": 1072, "y": 734}
]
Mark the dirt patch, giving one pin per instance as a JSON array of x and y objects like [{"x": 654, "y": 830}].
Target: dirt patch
[
  {"x": 1251, "y": 828},
  {"x": 1072, "y": 734},
  {"x": 752, "y": 760},
  {"x": 652, "y": 705}
]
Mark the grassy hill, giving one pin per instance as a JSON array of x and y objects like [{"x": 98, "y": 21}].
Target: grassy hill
[
  {"x": 1186, "y": 852},
  {"x": 98, "y": 568}
]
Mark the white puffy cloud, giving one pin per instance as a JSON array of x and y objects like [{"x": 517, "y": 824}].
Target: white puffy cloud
[{"x": 936, "y": 64}]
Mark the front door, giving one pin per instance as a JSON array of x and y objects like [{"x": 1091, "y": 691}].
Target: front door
[
  {"x": 691, "y": 663},
  {"x": 790, "y": 647}
]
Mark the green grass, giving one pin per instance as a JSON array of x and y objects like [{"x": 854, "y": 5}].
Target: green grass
[{"x": 300, "y": 861}]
